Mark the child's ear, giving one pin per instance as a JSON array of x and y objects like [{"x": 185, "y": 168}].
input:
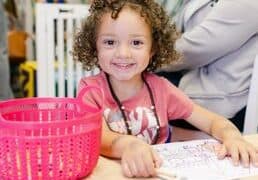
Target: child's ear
[
  {"x": 152, "y": 53},
  {"x": 153, "y": 50}
]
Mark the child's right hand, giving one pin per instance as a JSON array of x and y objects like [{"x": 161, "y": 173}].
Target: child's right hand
[{"x": 139, "y": 159}]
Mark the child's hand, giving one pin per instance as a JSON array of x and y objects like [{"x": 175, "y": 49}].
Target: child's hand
[
  {"x": 239, "y": 150},
  {"x": 139, "y": 160}
]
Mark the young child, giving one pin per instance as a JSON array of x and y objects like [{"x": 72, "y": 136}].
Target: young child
[{"x": 127, "y": 40}]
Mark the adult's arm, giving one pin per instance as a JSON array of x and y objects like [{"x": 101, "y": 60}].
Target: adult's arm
[{"x": 226, "y": 28}]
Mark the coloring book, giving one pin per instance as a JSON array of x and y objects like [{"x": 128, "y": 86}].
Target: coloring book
[{"x": 196, "y": 160}]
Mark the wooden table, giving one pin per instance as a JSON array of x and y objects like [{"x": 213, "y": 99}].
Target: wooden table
[{"x": 108, "y": 169}]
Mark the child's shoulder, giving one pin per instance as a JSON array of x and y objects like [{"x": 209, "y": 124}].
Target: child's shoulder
[
  {"x": 158, "y": 80},
  {"x": 97, "y": 79},
  {"x": 152, "y": 76}
]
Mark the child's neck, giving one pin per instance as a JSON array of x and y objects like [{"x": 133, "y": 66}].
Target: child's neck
[{"x": 126, "y": 89}]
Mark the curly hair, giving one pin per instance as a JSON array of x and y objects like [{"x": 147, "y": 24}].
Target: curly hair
[{"x": 163, "y": 31}]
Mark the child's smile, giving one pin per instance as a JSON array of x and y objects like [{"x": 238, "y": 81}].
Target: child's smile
[{"x": 123, "y": 66}]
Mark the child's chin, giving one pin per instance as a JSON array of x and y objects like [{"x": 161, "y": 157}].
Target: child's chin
[{"x": 123, "y": 76}]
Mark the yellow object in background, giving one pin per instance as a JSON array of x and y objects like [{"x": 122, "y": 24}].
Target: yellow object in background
[{"x": 28, "y": 78}]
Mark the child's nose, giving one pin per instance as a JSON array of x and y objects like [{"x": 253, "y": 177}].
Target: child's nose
[{"x": 123, "y": 51}]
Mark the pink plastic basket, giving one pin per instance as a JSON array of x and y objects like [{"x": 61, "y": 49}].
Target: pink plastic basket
[{"x": 49, "y": 138}]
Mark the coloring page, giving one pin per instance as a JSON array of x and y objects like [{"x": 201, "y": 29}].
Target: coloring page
[{"x": 196, "y": 160}]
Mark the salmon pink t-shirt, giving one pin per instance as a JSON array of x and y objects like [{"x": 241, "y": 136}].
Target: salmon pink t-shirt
[{"x": 170, "y": 103}]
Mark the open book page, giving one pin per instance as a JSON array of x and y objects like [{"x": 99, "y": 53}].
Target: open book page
[{"x": 196, "y": 160}]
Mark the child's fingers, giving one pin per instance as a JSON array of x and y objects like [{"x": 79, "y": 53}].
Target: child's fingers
[
  {"x": 244, "y": 154},
  {"x": 126, "y": 170},
  {"x": 221, "y": 151},
  {"x": 217, "y": 147},
  {"x": 253, "y": 156},
  {"x": 149, "y": 165},
  {"x": 157, "y": 159},
  {"x": 234, "y": 152},
  {"x": 142, "y": 164},
  {"x": 133, "y": 168}
]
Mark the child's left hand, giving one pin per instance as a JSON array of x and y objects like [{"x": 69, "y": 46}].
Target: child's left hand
[{"x": 239, "y": 150}]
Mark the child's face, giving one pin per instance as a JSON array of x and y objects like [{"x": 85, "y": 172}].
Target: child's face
[{"x": 124, "y": 45}]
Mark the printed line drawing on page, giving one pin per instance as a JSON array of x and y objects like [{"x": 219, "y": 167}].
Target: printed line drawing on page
[{"x": 196, "y": 160}]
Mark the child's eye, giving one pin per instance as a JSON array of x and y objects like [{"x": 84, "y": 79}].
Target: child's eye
[
  {"x": 109, "y": 42},
  {"x": 137, "y": 43}
]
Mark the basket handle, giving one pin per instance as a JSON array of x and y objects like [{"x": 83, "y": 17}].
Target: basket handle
[{"x": 88, "y": 107}]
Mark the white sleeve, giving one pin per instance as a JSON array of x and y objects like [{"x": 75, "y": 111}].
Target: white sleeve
[{"x": 225, "y": 29}]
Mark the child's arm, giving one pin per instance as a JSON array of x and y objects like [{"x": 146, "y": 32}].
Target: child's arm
[
  {"x": 138, "y": 159},
  {"x": 222, "y": 129}
]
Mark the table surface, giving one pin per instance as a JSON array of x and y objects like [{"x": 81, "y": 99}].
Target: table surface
[{"x": 108, "y": 169}]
